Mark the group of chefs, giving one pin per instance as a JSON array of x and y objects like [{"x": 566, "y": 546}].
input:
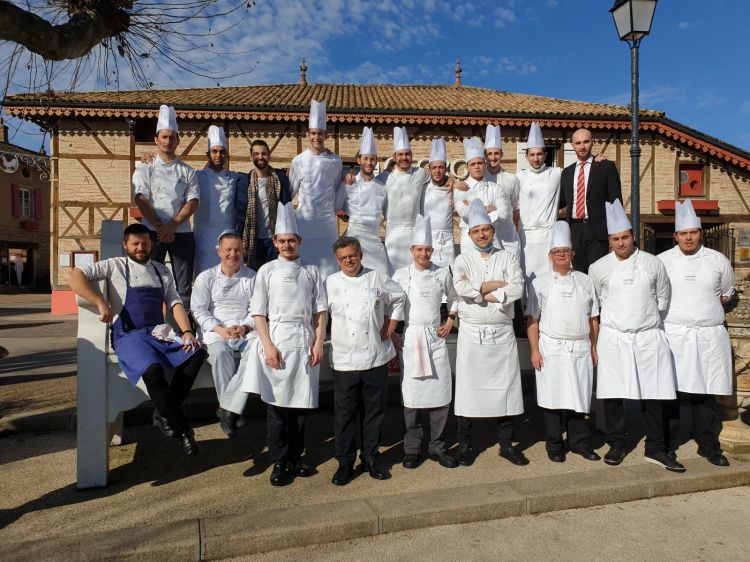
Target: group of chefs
[{"x": 269, "y": 277}]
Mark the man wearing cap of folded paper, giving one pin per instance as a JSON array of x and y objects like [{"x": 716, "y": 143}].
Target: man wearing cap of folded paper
[
  {"x": 218, "y": 190},
  {"x": 288, "y": 307},
  {"x": 166, "y": 193},
  {"x": 495, "y": 173},
  {"x": 488, "y": 281},
  {"x": 426, "y": 381},
  {"x": 635, "y": 361},
  {"x": 220, "y": 304},
  {"x": 315, "y": 177},
  {"x": 437, "y": 206},
  {"x": 702, "y": 282},
  {"x": 562, "y": 313},
  {"x": 364, "y": 203}
]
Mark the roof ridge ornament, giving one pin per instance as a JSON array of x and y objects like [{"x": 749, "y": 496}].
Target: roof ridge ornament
[
  {"x": 458, "y": 71},
  {"x": 303, "y": 73}
]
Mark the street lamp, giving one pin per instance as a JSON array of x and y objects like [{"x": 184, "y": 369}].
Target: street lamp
[{"x": 633, "y": 20}]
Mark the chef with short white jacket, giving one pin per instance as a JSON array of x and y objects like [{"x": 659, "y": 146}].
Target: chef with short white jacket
[
  {"x": 635, "y": 361},
  {"x": 702, "y": 282}
]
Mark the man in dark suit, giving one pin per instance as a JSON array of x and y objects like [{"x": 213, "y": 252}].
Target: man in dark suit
[{"x": 597, "y": 182}]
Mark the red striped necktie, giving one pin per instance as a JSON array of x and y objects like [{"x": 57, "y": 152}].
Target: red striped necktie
[{"x": 581, "y": 193}]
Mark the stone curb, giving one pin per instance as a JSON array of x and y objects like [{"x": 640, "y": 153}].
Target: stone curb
[{"x": 214, "y": 538}]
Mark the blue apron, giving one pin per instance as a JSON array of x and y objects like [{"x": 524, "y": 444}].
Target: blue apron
[{"x": 132, "y": 341}]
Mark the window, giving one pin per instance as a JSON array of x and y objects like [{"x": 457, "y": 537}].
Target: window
[
  {"x": 523, "y": 164},
  {"x": 27, "y": 207},
  {"x": 691, "y": 180}
]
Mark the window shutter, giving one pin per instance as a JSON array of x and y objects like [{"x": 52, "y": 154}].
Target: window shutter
[
  {"x": 15, "y": 200},
  {"x": 38, "y": 194}
]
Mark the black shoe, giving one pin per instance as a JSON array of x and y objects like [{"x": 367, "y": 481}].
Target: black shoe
[
  {"x": 512, "y": 454},
  {"x": 663, "y": 459},
  {"x": 280, "y": 474},
  {"x": 241, "y": 421},
  {"x": 228, "y": 422},
  {"x": 410, "y": 461},
  {"x": 445, "y": 460},
  {"x": 715, "y": 458},
  {"x": 465, "y": 455},
  {"x": 188, "y": 443},
  {"x": 614, "y": 456},
  {"x": 344, "y": 474},
  {"x": 556, "y": 456},
  {"x": 375, "y": 471},
  {"x": 588, "y": 454},
  {"x": 301, "y": 469},
  {"x": 163, "y": 425}
]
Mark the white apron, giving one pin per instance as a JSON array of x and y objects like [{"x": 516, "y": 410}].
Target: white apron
[
  {"x": 214, "y": 215},
  {"x": 295, "y": 385},
  {"x": 702, "y": 354},
  {"x": 403, "y": 199},
  {"x": 373, "y": 251},
  {"x": 443, "y": 248},
  {"x": 426, "y": 379},
  {"x": 318, "y": 231},
  {"x": 635, "y": 365},
  {"x": 565, "y": 381},
  {"x": 535, "y": 249},
  {"x": 488, "y": 373},
  {"x": 230, "y": 307}
]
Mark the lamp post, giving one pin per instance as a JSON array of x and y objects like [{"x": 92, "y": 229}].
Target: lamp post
[{"x": 633, "y": 19}]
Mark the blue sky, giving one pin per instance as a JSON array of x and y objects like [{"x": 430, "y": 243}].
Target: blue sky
[{"x": 691, "y": 64}]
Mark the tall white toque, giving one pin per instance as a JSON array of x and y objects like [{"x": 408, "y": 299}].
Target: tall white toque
[
  {"x": 317, "y": 115},
  {"x": 437, "y": 154},
  {"x": 422, "y": 234},
  {"x": 536, "y": 140},
  {"x": 478, "y": 214},
  {"x": 560, "y": 236},
  {"x": 684, "y": 216},
  {"x": 286, "y": 221},
  {"x": 400, "y": 139},
  {"x": 367, "y": 143},
  {"x": 473, "y": 149},
  {"x": 167, "y": 119},
  {"x": 617, "y": 220},
  {"x": 492, "y": 138},
  {"x": 216, "y": 137}
]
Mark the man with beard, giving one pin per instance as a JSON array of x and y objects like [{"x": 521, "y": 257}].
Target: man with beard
[
  {"x": 438, "y": 208},
  {"x": 256, "y": 206},
  {"x": 138, "y": 288}
]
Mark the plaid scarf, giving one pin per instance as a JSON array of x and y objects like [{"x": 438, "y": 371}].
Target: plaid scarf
[{"x": 273, "y": 194}]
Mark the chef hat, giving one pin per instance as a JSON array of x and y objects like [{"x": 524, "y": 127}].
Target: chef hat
[
  {"x": 400, "y": 139},
  {"x": 286, "y": 222},
  {"x": 492, "y": 138},
  {"x": 367, "y": 143},
  {"x": 216, "y": 137},
  {"x": 617, "y": 220},
  {"x": 560, "y": 236},
  {"x": 317, "y": 115},
  {"x": 473, "y": 149},
  {"x": 536, "y": 140},
  {"x": 684, "y": 216},
  {"x": 224, "y": 233},
  {"x": 478, "y": 214},
  {"x": 167, "y": 119},
  {"x": 437, "y": 154},
  {"x": 422, "y": 233}
]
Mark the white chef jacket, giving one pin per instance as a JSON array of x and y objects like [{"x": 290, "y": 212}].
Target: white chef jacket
[
  {"x": 364, "y": 202},
  {"x": 509, "y": 183},
  {"x": 167, "y": 186},
  {"x": 574, "y": 280},
  {"x": 490, "y": 194},
  {"x": 538, "y": 196},
  {"x": 403, "y": 195},
  {"x": 437, "y": 204}
]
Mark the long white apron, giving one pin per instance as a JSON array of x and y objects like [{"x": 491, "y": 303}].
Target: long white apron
[
  {"x": 702, "y": 354},
  {"x": 319, "y": 230},
  {"x": 373, "y": 251},
  {"x": 426, "y": 378},
  {"x": 295, "y": 385},
  {"x": 566, "y": 379},
  {"x": 443, "y": 248},
  {"x": 635, "y": 365},
  {"x": 488, "y": 373},
  {"x": 535, "y": 250}
]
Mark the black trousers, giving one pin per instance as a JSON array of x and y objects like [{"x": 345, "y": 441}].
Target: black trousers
[
  {"x": 586, "y": 246},
  {"x": 504, "y": 430},
  {"x": 286, "y": 432},
  {"x": 182, "y": 255},
  {"x": 168, "y": 398},
  {"x": 656, "y": 423},
  {"x": 556, "y": 421},
  {"x": 359, "y": 397},
  {"x": 705, "y": 422}
]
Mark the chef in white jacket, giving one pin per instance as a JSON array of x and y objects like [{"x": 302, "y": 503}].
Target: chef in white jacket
[
  {"x": 488, "y": 281},
  {"x": 563, "y": 323},
  {"x": 365, "y": 306},
  {"x": 403, "y": 195},
  {"x": 634, "y": 358},
  {"x": 315, "y": 177},
  {"x": 702, "y": 282},
  {"x": 364, "y": 201},
  {"x": 496, "y": 201},
  {"x": 426, "y": 381},
  {"x": 437, "y": 207},
  {"x": 216, "y": 213},
  {"x": 494, "y": 173},
  {"x": 220, "y": 303},
  {"x": 288, "y": 306}
]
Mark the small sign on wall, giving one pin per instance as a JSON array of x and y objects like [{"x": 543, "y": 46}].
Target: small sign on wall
[
  {"x": 744, "y": 238},
  {"x": 744, "y": 254}
]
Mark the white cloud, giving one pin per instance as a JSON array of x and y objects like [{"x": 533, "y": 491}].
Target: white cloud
[
  {"x": 685, "y": 25},
  {"x": 504, "y": 16}
]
